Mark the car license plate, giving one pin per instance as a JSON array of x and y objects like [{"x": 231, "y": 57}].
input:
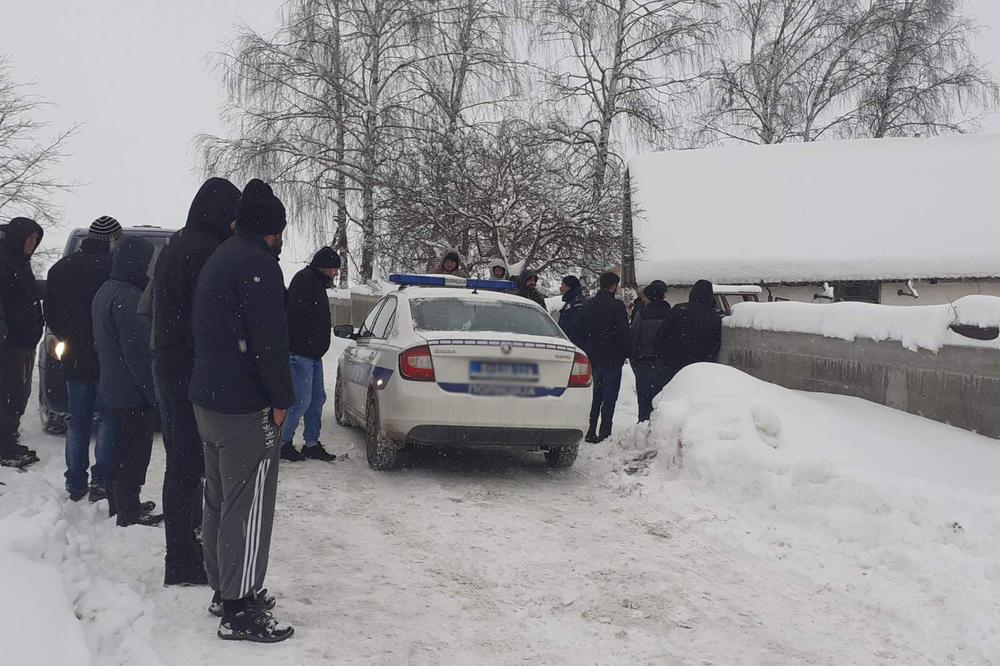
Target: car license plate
[{"x": 503, "y": 371}]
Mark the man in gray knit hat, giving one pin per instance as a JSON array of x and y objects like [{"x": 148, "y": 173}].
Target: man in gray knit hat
[{"x": 72, "y": 283}]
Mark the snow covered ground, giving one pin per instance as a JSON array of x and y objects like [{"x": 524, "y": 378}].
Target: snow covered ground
[{"x": 788, "y": 528}]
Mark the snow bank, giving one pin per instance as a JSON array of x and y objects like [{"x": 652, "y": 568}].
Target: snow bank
[
  {"x": 916, "y": 327},
  {"x": 64, "y": 600},
  {"x": 876, "y": 504},
  {"x": 890, "y": 209}
]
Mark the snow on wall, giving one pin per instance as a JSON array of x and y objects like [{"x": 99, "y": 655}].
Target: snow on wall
[
  {"x": 834, "y": 210},
  {"x": 916, "y": 327}
]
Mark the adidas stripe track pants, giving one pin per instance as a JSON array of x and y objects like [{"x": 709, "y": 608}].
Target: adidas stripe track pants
[{"x": 241, "y": 481}]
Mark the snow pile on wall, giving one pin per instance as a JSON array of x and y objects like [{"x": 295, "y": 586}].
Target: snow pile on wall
[
  {"x": 915, "y": 326},
  {"x": 63, "y": 600},
  {"x": 898, "y": 511},
  {"x": 829, "y": 210}
]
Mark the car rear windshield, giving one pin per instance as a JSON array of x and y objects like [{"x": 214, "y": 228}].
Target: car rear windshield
[{"x": 468, "y": 315}]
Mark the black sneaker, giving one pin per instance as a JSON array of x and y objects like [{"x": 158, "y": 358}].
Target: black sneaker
[
  {"x": 76, "y": 495},
  {"x": 253, "y": 623},
  {"x": 591, "y": 437},
  {"x": 290, "y": 453},
  {"x": 18, "y": 460},
  {"x": 186, "y": 574},
  {"x": 146, "y": 508},
  {"x": 317, "y": 452},
  {"x": 144, "y": 519},
  {"x": 24, "y": 449},
  {"x": 97, "y": 493},
  {"x": 263, "y": 599}
]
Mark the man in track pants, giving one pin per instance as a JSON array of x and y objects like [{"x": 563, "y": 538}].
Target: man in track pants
[{"x": 241, "y": 388}]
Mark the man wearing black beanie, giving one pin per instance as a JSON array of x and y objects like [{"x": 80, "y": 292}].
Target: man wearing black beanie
[
  {"x": 241, "y": 388},
  {"x": 309, "y": 336}
]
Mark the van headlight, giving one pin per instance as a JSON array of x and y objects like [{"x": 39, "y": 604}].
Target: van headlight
[{"x": 55, "y": 347}]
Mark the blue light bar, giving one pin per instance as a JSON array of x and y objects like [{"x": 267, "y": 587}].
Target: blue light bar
[
  {"x": 494, "y": 285},
  {"x": 407, "y": 280}
]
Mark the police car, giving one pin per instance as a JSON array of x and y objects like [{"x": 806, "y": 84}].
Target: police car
[{"x": 446, "y": 361}]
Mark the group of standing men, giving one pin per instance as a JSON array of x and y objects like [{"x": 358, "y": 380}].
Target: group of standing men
[
  {"x": 658, "y": 342},
  {"x": 215, "y": 344}
]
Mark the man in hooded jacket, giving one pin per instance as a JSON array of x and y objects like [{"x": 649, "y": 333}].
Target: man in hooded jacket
[
  {"x": 72, "y": 283},
  {"x": 309, "y": 340},
  {"x": 241, "y": 389},
  {"x": 650, "y": 372},
  {"x": 451, "y": 264},
  {"x": 607, "y": 343},
  {"x": 126, "y": 378},
  {"x": 692, "y": 332},
  {"x": 498, "y": 270},
  {"x": 209, "y": 223},
  {"x": 20, "y": 330},
  {"x": 529, "y": 289}
]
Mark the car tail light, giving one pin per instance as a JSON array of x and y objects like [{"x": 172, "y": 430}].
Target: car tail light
[
  {"x": 417, "y": 365},
  {"x": 580, "y": 376}
]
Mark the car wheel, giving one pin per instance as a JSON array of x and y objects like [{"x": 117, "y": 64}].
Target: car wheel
[
  {"x": 382, "y": 454},
  {"x": 561, "y": 457},
  {"x": 339, "y": 413},
  {"x": 52, "y": 423}
]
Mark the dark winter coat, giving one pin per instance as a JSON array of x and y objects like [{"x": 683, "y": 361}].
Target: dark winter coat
[
  {"x": 571, "y": 317},
  {"x": 605, "y": 325},
  {"x": 693, "y": 331},
  {"x": 309, "y": 314},
  {"x": 120, "y": 336},
  {"x": 437, "y": 268},
  {"x": 646, "y": 327},
  {"x": 21, "y": 319},
  {"x": 240, "y": 330},
  {"x": 72, "y": 283},
  {"x": 208, "y": 225}
]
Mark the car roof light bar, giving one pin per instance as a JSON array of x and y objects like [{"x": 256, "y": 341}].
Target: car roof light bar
[{"x": 407, "y": 280}]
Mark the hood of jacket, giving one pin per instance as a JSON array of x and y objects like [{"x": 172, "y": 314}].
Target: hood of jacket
[
  {"x": 131, "y": 261},
  {"x": 214, "y": 208},
  {"x": 702, "y": 293},
  {"x": 16, "y": 232},
  {"x": 498, "y": 263}
]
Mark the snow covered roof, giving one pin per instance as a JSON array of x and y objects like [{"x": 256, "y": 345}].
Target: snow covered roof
[{"x": 837, "y": 210}]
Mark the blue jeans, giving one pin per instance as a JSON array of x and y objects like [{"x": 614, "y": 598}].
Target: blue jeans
[
  {"x": 83, "y": 402},
  {"x": 310, "y": 396},
  {"x": 607, "y": 384}
]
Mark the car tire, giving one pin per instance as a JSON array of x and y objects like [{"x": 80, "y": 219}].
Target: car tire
[
  {"x": 339, "y": 413},
  {"x": 561, "y": 457},
  {"x": 382, "y": 454},
  {"x": 52, "y": 423}
]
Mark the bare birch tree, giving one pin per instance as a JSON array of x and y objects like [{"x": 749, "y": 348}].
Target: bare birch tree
[
  {"x": 623, "y": 63},
  {"x": 26, "y": 157},
  {"x": 924, "y": 77}
]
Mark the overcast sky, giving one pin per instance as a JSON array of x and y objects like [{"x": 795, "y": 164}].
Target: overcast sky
[{"x": 135, "y": 73}]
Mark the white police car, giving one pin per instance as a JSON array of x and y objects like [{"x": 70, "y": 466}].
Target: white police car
[{"x": 447, "y": 361}]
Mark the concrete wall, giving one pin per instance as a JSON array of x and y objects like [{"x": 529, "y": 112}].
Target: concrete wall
[
  {"x": 957, "y": 385},
  {"x": 351, "y": 310}
]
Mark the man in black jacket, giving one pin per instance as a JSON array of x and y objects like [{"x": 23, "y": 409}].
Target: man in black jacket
[
  {"x": 571, "y": 314},
  {"x": 650, "y": 372},
  {"x": 209, "y": 223},
  {"x": 241, "y": 388},
  {"x": 72, "y": 283},
  {"x": 309, "y": 340},
  {"x": 126, "y": 378},
  {"x": 529, "y": 289},
  {"x": 692, "y": 332},
  {"x": 605, "y": 324},
  {"x": 20, "y": 330}
]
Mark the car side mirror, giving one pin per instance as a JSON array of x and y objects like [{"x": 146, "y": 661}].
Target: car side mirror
[{"x": 344, "y": 331}]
